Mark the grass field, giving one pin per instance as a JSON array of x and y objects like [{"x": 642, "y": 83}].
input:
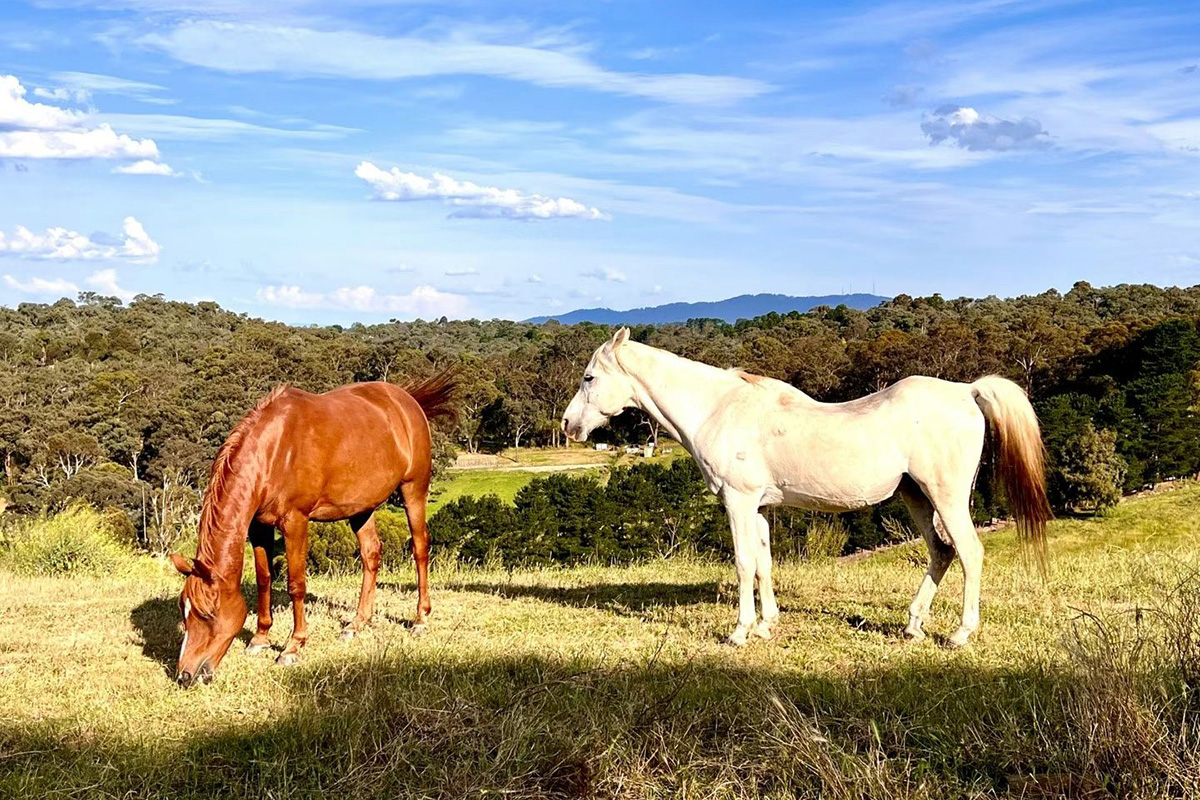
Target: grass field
[
  {"x": 615, "y": 683},
  {"x": 478, "y": 482},
  {"x": 510, "y": 470}
]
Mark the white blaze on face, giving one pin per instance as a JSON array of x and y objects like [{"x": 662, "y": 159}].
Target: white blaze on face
[{"x": 187, "y": 609}]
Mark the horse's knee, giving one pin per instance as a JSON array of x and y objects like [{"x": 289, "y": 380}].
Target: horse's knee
[
  {"x": 297, "y": 588},
  {"x": 371, "y": 557}
]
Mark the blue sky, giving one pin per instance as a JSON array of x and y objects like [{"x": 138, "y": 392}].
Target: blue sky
[{"x": 370, "y": 159}]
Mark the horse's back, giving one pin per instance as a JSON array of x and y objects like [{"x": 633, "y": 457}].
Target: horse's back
[{"x": 343, "y": 451}]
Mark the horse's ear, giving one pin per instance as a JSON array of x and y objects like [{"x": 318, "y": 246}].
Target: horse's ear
[
  {"x": 201, "y": 571},
  {"x": 181, "y": 564},
  {"x": 619, "y": 338}
]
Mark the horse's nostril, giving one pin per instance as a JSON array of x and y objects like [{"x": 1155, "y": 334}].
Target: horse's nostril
[{"x": 184, "y": 679}]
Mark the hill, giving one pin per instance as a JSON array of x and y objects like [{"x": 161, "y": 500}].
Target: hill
[{"x": 746, "y": 306}]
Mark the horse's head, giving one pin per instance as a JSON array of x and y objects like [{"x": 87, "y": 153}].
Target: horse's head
[
  {"x": 212, "y": 617},
  {"x": 604, "y": 391}
]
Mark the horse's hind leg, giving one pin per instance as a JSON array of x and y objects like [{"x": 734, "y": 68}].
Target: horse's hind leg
[
  {"x": 416, "y": 496},
  {"x": 262, "y": 538},
  {"x": 370, "y": 551},
  {"x": 955, "y": 513},
  {"x": 940, "y": 556},
  {"x": 295, "y": 538}
]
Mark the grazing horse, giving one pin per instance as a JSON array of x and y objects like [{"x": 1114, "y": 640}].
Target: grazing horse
[
  {"x": 298, "y": 457},
  {"x": 761, "y": 442}
]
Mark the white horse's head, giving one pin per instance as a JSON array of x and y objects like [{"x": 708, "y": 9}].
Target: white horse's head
[{"x": 604, "y": 391}]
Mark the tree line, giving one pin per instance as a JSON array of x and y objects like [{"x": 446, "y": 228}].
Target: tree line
[{"x": 125, "y": 405}]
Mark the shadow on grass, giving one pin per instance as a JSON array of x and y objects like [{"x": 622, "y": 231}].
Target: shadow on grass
[
  {"x": 157, "y": 621},
  {"x": 626, "y": 599},
  {"x": 421, "y": 724}
]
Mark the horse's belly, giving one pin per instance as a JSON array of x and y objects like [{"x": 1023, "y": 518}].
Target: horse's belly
[{"x": 833, "y": 496}]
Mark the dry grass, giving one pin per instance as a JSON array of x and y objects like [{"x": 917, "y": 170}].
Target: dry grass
[{"x": 614, "y": 682}]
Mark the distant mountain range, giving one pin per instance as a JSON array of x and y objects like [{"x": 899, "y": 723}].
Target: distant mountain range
[{"x": 744, "y": 306}]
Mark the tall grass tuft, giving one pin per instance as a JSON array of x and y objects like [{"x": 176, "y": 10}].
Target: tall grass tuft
[
  {"x": 77, "y": 540},
  {"x": 1134, "y": 708}
]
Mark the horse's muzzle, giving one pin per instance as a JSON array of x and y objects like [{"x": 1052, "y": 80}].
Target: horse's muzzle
[{"x": 203, "y": 675}]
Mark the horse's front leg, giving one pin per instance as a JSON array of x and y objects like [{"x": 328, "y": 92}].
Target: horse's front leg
[
  {"x": 743, "y": 522},
  {"x": 295, "y": 539},
  {"x": 766, "y": 586},
  {"x": 262, "y": 538}
]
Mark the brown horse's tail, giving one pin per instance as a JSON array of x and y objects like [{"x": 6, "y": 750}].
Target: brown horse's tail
[
  {"x": 435, "y": 395},
  {"x": 1020, "y": 457}
]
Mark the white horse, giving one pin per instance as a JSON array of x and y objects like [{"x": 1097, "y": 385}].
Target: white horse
[{"x": 761, "y": 442}]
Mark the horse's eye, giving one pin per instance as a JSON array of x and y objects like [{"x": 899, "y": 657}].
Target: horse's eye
[{"x": 588, "y": 378}]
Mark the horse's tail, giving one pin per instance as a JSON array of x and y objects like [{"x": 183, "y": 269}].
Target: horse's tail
[
  {"x": 1020, "y": 457},
  {"x": 435, "y": 395}
]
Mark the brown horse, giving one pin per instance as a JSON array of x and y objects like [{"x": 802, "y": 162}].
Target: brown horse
[{"x": 298, "y": 457}]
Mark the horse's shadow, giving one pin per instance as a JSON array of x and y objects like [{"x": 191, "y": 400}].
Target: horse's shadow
[
  {"x": 158, "y": 621},
  {"x": 625, "y": 599}
]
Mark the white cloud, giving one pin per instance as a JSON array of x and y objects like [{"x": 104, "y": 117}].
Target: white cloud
[
  {"x": 971, "y": 130},
  {"x": 58, "y": 287},
  {"x": 179, "y": 126},
  {"x": 83, "y": 84},
  {"x": 63, "y": 94},
  {"x": 607, "y": 274},
  {"x": 38, "y": 130},
  {"x": 18, "y": 113},
  {"x": 146, "y": 167},
  {"x": 105, "y": 282},
  {"x": 240, "y": 47},
  {"x": 422, "y": 301},
  {"x": 60, "y": 244},
  {"x": 470, "y": 199},
  {"x": 458, "y": 273}
]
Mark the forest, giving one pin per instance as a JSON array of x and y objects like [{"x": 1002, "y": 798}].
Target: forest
[{"x": 124, "y": 406}]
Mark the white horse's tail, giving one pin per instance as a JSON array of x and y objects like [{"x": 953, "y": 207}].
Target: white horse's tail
[{"x": 1020, "y": 456}]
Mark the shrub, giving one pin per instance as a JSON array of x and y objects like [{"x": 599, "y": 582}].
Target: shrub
[
  {"x": 76, "y": 540},
  {"x": 333, "y": 546},
  {"x": 826, "y": 538}
]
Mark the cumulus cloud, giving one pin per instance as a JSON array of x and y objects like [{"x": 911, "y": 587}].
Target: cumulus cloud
[
  {"x": 469, "y": 199},
  {"x": 610, "y": 275},
  {"x": 39, "y": 130},
  {"x": 423, "y": 301},
  {"x": 61, "y": 244},
  {"x": 240, "y": 47},
  {"x": 105, "y": 282},
  {"x": 146, "y": 167},
  {"x": 967, "y": 128}
]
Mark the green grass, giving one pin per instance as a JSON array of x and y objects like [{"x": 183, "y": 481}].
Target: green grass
[
  {"x": 478, "y": 482},
  {"x": 614, "y": 683}
]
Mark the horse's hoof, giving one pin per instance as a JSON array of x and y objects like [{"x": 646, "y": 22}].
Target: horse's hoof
[
  {"x": 959, "y": 640},
  {"x": 347, "y": 634},
  {"x": 419, "y": 630},
  {"x": 762, "y": 630},
  {"x": 737, "y": 638},
  {"x": 914, "y": 635},
  {"x": 253, "y": 649},
  {"x": 288, "y": 659}
]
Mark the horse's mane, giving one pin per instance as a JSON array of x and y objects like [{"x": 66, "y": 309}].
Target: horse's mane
[{"x": 222, "y": 468}]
